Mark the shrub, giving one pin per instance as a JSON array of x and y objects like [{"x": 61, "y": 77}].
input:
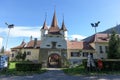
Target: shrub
[
  {"x": 28, "y": 66},
  {"x": 108, "y": 64}
]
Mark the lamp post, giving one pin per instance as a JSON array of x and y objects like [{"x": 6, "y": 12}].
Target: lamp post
[
  {"x": 10, "y": 26},
  {"x": 95, "y": 25}
]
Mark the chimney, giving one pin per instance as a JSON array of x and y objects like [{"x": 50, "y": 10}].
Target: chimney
[
  {"x": 76, "y": 39},
  {"x": 35, "y": 42}
]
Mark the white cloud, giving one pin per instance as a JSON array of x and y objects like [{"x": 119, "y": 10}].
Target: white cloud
[
  {"x": 76, "y": 36},
  {"x": 22, "y": 31},
  {"x": 25, "y": 31}
]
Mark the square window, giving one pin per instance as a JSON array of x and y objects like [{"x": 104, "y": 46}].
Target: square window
[
  {"x": 75, "y": 54},
  {"x": 28, "y": 53}
]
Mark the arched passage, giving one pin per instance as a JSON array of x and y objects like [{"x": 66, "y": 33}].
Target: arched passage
[{"x": 54, "y": 61}]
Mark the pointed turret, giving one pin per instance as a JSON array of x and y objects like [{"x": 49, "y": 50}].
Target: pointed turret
[
  {"x": 63, "y": 30},
  {"x": 45, "y": 25},
  {"x": 63, "y": 26},
  {"x": 44, "y": 30},
  {"x": 54, "y": 26}
]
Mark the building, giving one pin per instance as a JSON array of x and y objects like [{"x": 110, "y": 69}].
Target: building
[
  {"x": 55, "y": 50},
  {"x": 1, "y": 40}
]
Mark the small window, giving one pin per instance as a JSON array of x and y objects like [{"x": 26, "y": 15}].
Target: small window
[
  {"x": 12, "y": 54},
  {"x": 28, "y": 53},
  {"x": 106, "y": 49},
  {"x": 85, "y": 54},
  {"x": 59, "y": 45},
  {"x": 100, "y": 47},
  {"x": 53, "y": 44},
  {"x": 48, "y": 45},
  {"x": 75, "y": 62},
  {"x": 75, "y": 54}
]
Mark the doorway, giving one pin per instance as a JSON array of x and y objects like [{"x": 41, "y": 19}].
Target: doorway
[{"x": 54, "y": 61}]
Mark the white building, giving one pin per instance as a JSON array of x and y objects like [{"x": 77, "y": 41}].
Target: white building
[{"x": 1, "y": 40}]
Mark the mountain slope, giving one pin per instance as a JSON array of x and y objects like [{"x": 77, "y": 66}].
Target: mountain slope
[{"x": 116, "y": 29}]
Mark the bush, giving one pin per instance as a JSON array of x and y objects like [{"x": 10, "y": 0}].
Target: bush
[
  {"x": 113, "y": 65},
  {"x": 28, "y": 66},
  {"x": 108, "y": 64}
]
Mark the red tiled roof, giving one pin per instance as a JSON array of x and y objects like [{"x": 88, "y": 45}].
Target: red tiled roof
[
  {"x": 78, "y": 45},
  {"x": 30, "y": 44},
  {"x": 20, "y": 46},
  {"x": 100, "y": 37}
]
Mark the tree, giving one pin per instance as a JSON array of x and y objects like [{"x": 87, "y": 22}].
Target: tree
[
  {"x": 2, "y": 50},
  {"x": 118, "y": 47},
  {"x": 114, "y": 46},
  {"x": 23, "y": 56},
  {"x": 19, "y": 55}
]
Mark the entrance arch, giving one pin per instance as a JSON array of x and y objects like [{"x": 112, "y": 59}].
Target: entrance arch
[{"x": 54, "y": 61}]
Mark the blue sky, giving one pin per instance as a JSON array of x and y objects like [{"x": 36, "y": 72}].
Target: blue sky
[{"x": 28, "y": 17}]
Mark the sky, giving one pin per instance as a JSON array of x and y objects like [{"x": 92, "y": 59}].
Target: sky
[{"x": 28, "y": 17}]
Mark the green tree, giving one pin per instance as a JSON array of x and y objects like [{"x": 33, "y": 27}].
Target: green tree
[
  {"x": 2, "y": 50},
  {"x": 23, "y": 56},
  {"x": 114, "y": 46},
  {"x": 118, "y": 47},
  {"x": 19, "y": 55}
]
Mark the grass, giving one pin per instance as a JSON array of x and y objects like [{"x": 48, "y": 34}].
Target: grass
[
  {"x": 12, "y": 71},
  {"x": 79, "y": 70}
]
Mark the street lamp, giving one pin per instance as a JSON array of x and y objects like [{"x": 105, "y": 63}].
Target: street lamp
[
  {"x": 95, "y": 25},
  {"x": 10, "y": 26}
]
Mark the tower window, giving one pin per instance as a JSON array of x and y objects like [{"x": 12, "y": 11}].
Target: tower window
[
  {"x": 53, "y": 44},
  {"x": 59, "y": 45},
  {"x": 48, "y": 45}
]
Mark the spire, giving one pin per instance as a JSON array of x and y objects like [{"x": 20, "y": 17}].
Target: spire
[
  {"x": 54, "y": 26},
  {"x": 54, "y": 20},
  {"x": 63, "y": 26},
  {"x": 45, "y": 25}
]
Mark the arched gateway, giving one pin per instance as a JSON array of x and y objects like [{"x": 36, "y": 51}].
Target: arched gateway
[{"x": 54, "y": 61}]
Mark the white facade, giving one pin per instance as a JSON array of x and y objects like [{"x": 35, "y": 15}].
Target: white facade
[
  {"x": 1, "y": 40},
  {"x": 101, "y": 50},
  {"x": 58, "y": 39}
]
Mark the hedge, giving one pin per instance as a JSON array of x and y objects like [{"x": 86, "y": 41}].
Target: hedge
[
  {"x": 28, "y": 66},
  {"x": 108, "y": 64},
  {"x": 111, "y": 64}
]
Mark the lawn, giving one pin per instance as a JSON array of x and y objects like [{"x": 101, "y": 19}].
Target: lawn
[
  {"x": 12, "y": 65},
  {"x": 12, "y": 71}
]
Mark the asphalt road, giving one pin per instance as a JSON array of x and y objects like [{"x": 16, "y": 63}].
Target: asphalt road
[{"x": 59, "y": 75}]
